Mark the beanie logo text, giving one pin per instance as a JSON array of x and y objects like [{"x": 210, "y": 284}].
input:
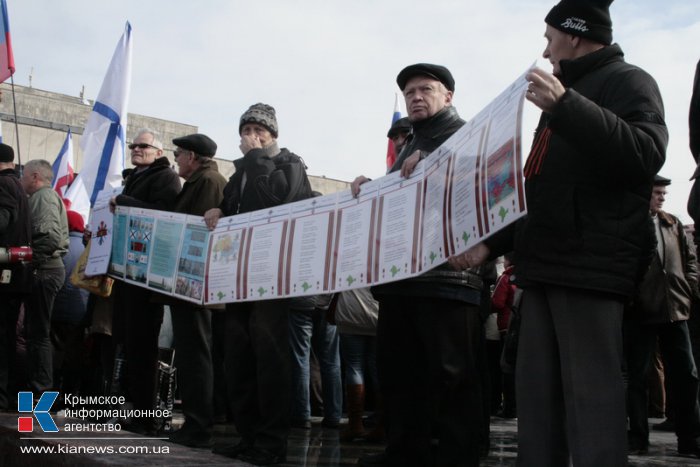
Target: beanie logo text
[{"x": 577, "y": 24}]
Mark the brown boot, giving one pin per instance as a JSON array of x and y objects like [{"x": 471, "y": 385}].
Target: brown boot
[
  {"x": 377, "y": 435},
  {"x": 356, "y": 406}
]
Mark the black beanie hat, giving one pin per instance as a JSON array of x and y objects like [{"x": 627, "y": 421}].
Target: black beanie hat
[
  {"x": 583, "y": 18},
  {"x": 400, "y": 125},
  {"x": 7, "y": 154},
  {"x": 262, "y": 114}
]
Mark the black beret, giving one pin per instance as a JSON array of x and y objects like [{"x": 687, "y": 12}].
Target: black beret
[
  {"x": 402, "y": 124},
  {"x": 661, "y": 181},
  {"x": 437, "y": 72},
  {"x": 198, "y": 143},
  {"x": 7, "y": 154}
]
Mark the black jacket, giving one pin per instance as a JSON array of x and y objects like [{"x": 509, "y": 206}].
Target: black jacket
[
  {"x": 17, "y": 231},
  {"x": 694, "y": 116},
  {"x": 270, "y": 181},
  {"x": 427, "y": 135},
  {"x": 589, "y": 180},
  {"x": 13, "y": 200},
  {"x": 442, "y": 282},
  {"x": 694, "y": 139},
  {"x": 153, "y": 188}
]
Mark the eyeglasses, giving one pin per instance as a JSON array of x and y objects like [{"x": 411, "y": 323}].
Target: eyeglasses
[
  {"x": 179, "y": 152},
  {"x": 133, "y": 146}
]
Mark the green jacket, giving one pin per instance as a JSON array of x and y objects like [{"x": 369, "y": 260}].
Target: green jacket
[{"x": 49, "y": 228}]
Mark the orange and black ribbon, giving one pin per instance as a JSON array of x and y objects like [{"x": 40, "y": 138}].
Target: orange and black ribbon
[{"x": 539, "y": 150}]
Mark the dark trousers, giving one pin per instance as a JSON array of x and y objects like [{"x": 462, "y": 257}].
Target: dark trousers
[
  {"x": 258, "y": 371},
  {"x": 9, "y": 311},
  {"x": 69, "y": 355},
  {"x": 427, "y": 358},
  {"x": 136, "y": 324},
  {"x": 222, "y": 404},
  {"x": 679, "y": 365},
  {"x": 195, "y": 373},
  {"x": 569, "y": 386},
  {"x": 493, "y": 356},
  {"x": 37, "y": 327}
]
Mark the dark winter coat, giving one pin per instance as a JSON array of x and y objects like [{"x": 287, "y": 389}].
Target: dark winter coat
[
  {"x": 589, "y": 180},
  {"x": 17, "y": 230},
  {"x": 270, "y": 181},
  {"x": 694, "y": 116},
  {"x": 441, "y": 282},
  {"x": 14, "y": 201},
  {"x": 153, "y": 188},
  {"x": 694, "y": 139}
]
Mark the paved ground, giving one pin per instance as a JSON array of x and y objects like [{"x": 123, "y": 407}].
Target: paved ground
[{"x": 316, "y": 447}]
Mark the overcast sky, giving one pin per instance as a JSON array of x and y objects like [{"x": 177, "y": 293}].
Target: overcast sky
[{"x": 329, "y": 67}]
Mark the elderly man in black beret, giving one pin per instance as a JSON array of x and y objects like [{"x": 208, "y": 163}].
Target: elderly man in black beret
[
  {"x": 586, "y": 241},
  {"x": 429, "y": 328},
  {"x": 203, "y": 190}
]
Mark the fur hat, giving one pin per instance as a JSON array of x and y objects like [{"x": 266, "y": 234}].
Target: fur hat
[
  {"x": 262, "y": 114},
  {"x": 583, "y": 18}
]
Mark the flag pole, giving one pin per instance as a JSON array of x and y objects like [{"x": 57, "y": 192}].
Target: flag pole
[{"x": 14, "y": 106}]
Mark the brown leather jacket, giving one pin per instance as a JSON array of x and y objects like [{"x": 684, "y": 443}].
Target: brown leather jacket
[{"x": 665, "y": 293}]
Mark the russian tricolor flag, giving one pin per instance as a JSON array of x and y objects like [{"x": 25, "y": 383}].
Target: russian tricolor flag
[
  {"x": 7, "y": 60},
  {"x": 63, "y": 173},
  {"x": 390, "y": 153}
]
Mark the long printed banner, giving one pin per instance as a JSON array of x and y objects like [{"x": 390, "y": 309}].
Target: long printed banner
[{"x": 466, "y": 190}]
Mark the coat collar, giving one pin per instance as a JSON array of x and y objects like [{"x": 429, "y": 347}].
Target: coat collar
[
  {"x": 437, "y": 124},
  {"x": 573, "y": 70},
  {"x": 205, "y": 166}
]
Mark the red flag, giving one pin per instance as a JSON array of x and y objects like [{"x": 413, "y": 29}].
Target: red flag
[
  {"x": 7, "y": 60},
  {"x": 390, "y": 154}
]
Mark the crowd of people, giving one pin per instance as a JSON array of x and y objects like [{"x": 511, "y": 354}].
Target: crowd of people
[{"x": 596, "y": 291}]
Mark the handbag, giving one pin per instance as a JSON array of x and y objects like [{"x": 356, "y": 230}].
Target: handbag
[{"x": 100, "y": 285}]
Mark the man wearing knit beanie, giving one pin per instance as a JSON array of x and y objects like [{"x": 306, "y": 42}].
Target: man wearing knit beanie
[
  {"x": 258, "y": 360},
  {"x": 261, "y": 114},
  {"x": 586, "y": 241}
]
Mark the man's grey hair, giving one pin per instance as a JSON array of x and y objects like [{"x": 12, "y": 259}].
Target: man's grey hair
[
  {"x": 156, "y": 138},
  {"x": 41, "y": 167}
]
